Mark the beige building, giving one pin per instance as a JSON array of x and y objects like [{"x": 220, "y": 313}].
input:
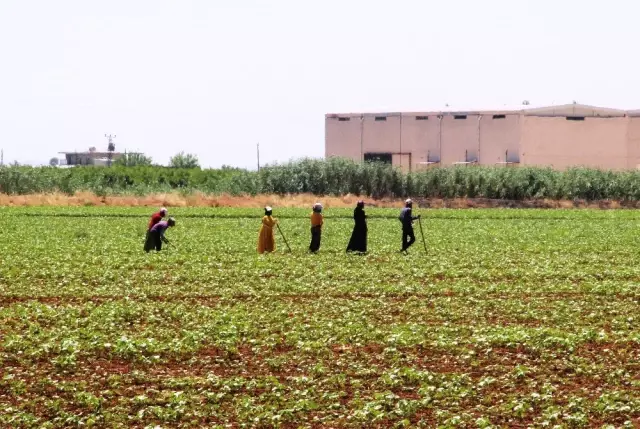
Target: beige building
[{"x": 555, "y": 136}]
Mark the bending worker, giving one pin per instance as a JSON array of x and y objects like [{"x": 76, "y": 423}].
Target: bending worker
[
  {"x": 157, "y": 217},
  {"x": 156, "y": 236}
]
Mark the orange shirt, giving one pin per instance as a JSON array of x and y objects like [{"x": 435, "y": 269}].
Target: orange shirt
[{"x": 316, "y": 219}]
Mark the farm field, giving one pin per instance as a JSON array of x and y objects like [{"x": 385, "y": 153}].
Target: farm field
[{"x": 514, "y": 318}]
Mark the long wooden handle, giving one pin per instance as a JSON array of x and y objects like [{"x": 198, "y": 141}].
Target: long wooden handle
[
  {"x": 283, "y": 237},
  {"x": 424, "y": 242}
]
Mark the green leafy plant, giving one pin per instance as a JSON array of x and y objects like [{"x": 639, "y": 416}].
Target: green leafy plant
[{"x": 522, "y": 318}]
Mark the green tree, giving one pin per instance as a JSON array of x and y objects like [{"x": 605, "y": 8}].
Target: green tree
[
  {"x": 133, "y": 160},
  {"x": 182, "y": 160},
  {"x": 54, "y": 162}
]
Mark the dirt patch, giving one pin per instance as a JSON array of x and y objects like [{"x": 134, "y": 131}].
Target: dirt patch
[{"x": 198, "y": 199}]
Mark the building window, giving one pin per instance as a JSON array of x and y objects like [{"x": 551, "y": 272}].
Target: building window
[
  {"x": 344, "y": 119},
  {"x": 384, "y": 158},
  {"x": 381, "y": 118},
  {"x": 575, "y": 118},
  {"x": 499, "y": 116},
  {"x": 422, "y": 118},
  {"x": 460, "y": 117}
]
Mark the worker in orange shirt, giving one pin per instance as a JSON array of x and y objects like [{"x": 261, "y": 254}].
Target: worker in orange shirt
[{"x": 316, "y": 227}]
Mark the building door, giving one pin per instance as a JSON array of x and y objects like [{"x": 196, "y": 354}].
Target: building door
[{"x": 385, "y": 158}]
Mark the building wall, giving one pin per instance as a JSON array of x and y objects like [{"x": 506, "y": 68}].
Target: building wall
[
  {"x": 91, "y": 158},
  {"x": 421, "y": 138},
  {"x": 458, "y": 136},
  {"x": 561, "y": 143},
  {"x": 607, "y": 139},
  {"x": 381, "y": 136},
  {"x": 499, "y": 139},
  {"x": 342, "y": 138},
  {"x": 402, "y": 160},
  {"x": 633, "y": 141}
]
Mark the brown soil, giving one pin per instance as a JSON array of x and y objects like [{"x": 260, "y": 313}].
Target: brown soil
[{"x": 298, "y": 200}]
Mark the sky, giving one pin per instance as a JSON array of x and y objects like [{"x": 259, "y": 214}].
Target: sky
[{"x": 214, "y": 78}]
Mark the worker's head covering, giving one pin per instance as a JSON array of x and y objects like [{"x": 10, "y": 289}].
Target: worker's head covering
[
  {"x": 317, "y": 207},
  {"x": 268, "y": 210},
  {"x": 171, "y": 222},
  {"x": 408, "y": 202},
  {"x": 163, "y": 211},
  {"x": 360, "y": 204}
]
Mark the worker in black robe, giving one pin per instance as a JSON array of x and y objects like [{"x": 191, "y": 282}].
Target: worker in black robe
[{"x": 358, "y": 242}]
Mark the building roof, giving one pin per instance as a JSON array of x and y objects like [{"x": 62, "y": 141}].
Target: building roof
[
  {"x": 96, "y": 154},
  {"x": 575, "y": 110},
  {"x": 93, "y": 154},
  {"x": 528, "y": 110}
]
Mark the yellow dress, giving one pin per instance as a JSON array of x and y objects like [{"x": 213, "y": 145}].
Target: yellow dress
[{"x": 266, "y": 239}]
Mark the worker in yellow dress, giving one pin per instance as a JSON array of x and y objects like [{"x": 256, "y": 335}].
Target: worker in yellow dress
[{"x": 266, "y": 239}]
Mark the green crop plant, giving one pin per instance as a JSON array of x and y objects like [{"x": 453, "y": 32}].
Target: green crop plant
[{"x": 513, "y": 318}]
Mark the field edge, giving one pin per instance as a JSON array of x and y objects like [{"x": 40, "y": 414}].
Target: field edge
[{"x": 198, "y": 199}]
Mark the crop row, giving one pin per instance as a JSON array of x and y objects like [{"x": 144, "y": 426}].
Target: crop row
[{"x": 329, "y": 213}]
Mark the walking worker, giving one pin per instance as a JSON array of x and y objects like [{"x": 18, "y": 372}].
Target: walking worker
[
  {"x": 407, "y": 219},
  {"x": 358, "y": 242},
  {"x": 266, "y": 238},
  {"x": 156, "y": 236},
  {"x": 316, "y": 227}
]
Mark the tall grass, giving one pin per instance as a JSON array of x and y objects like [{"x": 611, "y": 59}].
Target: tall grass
[{"x": 334, "y": 176}]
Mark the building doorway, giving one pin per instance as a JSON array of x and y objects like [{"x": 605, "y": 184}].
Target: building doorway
[{"x": 385, "y": 158}]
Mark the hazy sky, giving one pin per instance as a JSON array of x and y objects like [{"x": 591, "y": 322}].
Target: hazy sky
[{"x": 215, "y": 77}]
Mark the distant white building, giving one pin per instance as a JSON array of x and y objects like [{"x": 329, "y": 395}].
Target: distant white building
[{"x": 90, "y": 157}]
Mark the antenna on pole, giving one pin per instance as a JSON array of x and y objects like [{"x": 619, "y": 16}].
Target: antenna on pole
[
  {"x": 110, "y": 148},
  {"x": 258, "y": 149}
]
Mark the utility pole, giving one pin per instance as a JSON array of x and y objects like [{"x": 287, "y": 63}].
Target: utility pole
[
  {"x": 1, "y": 157},
  {"x": 361, "y": 138},
  {"x": 111, "y": 148},
  {"x": 258, "y": 149}
]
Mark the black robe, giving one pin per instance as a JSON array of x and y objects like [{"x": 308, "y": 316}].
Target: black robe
[{"x": 358, "y": 242}]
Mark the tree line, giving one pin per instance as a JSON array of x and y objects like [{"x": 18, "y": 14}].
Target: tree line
[
  {"x": 334, "y": 176},
  {"x": 135, "y": 159}
]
